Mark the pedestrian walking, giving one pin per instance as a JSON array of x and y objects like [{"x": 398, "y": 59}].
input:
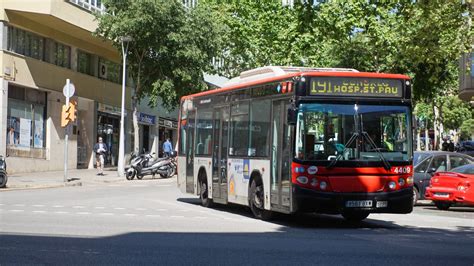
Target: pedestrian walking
[
  {"x": 100, "y": 150},
  {"x": 167, "y": 148}
]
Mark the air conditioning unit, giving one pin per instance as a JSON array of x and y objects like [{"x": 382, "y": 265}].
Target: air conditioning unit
[{"x": 102, "y": 70}]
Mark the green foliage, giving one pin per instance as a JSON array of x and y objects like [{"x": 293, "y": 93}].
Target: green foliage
[
  {"x": 467, "y": 129},
  {"x": 171, "y": 46},
  {"x": 456, "y": 112}
]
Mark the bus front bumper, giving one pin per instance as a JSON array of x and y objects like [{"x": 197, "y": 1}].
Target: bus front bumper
[{"x": 307, "y": 200}]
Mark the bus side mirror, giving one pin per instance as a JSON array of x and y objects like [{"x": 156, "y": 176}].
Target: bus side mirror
[{"x": 292, "y": 116}]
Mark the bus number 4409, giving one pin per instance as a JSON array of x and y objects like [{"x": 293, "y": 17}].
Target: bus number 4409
[{"x": 402, "y": 170}]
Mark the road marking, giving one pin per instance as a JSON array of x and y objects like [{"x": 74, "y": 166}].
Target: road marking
[
  {"x": 138, "y": 185},
  {"x": 130, "y": 214},
  {"x": 199, "y": 217},
  {"x": 58, "y": 206},
  {"x": 1, "y": 204},
  {"x": 39, "y": 211},
  {"x": 153, "y": 215},
  {"x": 100, "y": 207},
  {"x": 17, "y": 210},
  {"x": 164, "y": 185},
  {"x": 161, "y": 210},
  {"x": 106, "y": 213},
  {"x": 37, "y": 205},
  {"x": 19, "y": 205},
  {"x": 140, "y": 209},
  {"x": 176, "y": 216},
  {"x": 114, "y": 185},
  {"x": 82, "y": 213},
  {"x": 119, "y": 208},
  {"x": 78, "y": 207},
  {"x": 61, "y": 212}
]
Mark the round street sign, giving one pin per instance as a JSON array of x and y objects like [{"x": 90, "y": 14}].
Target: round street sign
[{"x": 69, "y": 92}]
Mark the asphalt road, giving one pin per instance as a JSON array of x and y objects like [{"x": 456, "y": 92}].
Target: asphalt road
[{"x": 151, "y": 222}]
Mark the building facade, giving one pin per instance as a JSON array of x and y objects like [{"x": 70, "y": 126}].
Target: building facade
[
  {"x": 466, "y": 75},
  {"x": 42, "y": 44}
]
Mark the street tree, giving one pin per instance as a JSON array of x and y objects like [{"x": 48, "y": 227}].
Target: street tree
[{"x": 171, "y": 48}]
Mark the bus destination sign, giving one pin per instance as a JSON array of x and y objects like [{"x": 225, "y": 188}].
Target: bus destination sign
[{"x": 348, "y": 86}]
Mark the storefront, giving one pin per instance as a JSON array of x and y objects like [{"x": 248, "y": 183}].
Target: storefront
[
  {"x": 167, "y": 129},
  {"x": 26, "y": 122},
  {"x": 147, "y": 129},
  {"x": 108, "y": 127}
]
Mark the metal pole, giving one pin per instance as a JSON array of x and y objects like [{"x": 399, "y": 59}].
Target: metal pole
[
  {"x": 120, "y": 166},
  {"x": 66, "y": 138}
]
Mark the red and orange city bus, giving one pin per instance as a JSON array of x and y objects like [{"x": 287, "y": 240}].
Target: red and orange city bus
[{"x": 295, "y": 139}]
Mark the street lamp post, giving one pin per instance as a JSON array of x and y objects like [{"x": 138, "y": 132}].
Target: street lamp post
[{"x": 120, "y": 167}]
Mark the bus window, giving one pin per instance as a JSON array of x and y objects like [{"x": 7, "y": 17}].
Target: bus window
[
  {"x": 204, "y": 132},
  {"x": 239, "y": 138},
  {"x": 259, "y": 128}
]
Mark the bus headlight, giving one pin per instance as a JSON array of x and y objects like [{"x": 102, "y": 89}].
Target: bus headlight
[
  {"x": 314, "y": 182},
  {"x": 302, "y": 179},
  {"x": 323, "y": 185},
  {"x": 410, "y": 180},
  {"x": 392, "y": 185},
  {"x": 401, "y": 181}
]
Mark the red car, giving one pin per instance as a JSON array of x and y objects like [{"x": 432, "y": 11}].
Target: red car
[{"x": 454, "y": 187}]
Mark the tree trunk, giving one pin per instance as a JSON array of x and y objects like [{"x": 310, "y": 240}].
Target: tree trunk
[
  {"x": 418, "y": 139},
  {"x": 136, "y": 129},
  {"x": 435, "y": 127},
  {"x": 427, "y": 138}
]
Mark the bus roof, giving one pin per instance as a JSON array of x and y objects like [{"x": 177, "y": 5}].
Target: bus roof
[{"x": 271, "y": 74}]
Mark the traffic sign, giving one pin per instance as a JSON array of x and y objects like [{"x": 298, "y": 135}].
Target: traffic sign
[{"x": 69, "y": 92}]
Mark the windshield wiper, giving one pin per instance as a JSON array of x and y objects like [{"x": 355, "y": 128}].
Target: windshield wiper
[
  {"x": 354, "y": 136},
  {"x": 371, "y": 142}
]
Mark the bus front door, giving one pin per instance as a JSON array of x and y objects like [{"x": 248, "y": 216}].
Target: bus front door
[
  {"x": 281, "y": 158},
  {"x": 190, "y": 152},
  {"x": 219, "y": 155}
]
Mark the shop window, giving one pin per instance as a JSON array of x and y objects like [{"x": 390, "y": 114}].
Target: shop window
[
  {"x": 26, "y": 43},
  {"x": 204, "y": 132},
  {"x": 25, "y": 122},
  {"x": 85, "y": 63}
]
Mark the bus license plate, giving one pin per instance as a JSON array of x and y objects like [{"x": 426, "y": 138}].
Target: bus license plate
[
  {"x": 358, "y": 203},
  {"x": 441, "y": 195}
]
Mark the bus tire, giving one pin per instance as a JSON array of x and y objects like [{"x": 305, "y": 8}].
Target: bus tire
[
  {"x": 257, "y": 200},
  {"x": 204, "y": 191},
  {"x": 355, "y": 216}
]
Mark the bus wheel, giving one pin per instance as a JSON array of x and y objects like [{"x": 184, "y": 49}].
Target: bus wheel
[
  {"x": 204, "y": 192},
  {"x": 355, "y": 216},
  {"x": 442, "y": 205},
  {"x": 256, "y": 196}
]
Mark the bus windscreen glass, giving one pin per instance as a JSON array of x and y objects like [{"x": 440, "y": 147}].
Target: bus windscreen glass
[
  {"x": 348, "y": 86},
  {"x": 324, "y": 132}
]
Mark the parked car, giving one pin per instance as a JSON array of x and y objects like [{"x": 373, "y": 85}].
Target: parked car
[
  {"x": 454, "y": 187},
  {"x": 466, "y": 147},
  {"x": 431, "y": 162}
]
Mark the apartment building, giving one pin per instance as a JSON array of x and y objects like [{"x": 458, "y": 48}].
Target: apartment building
[{"x": 42, "y": 44}]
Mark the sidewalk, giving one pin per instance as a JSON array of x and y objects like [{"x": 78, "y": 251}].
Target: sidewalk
[{"x": 78, "y": 177}]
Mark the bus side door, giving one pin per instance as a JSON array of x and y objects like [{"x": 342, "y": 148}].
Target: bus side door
[
  {"x": 190, "y": 151},
  {"x": 219, "y": 155},
  {"x": 280, "y": 157}
]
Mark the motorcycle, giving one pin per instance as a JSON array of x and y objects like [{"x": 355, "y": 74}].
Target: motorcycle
[
  {"x": 146, "y": 164},
  {"x": 3, "y": 172}
]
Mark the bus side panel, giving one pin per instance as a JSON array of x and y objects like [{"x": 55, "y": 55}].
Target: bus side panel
[
  {"x": 182, "y": 173},
  {"x": 206, "y": 164},
  {"x": 239, "y": 173}
]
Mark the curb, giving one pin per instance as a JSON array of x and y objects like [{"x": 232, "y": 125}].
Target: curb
[{"x": 27, "y": 187}]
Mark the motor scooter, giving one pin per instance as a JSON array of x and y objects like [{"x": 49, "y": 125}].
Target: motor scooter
[
  {"x": 146, "y": 164},
  {"x": 3, "y": 172}
]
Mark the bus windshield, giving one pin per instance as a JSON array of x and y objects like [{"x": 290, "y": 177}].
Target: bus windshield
[{"x": 352, "y": 132}]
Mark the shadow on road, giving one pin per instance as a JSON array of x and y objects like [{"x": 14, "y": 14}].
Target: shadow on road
[{"x": 287, "y": 246}]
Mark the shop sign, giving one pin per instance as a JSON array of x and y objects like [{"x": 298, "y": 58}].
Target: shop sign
[
  {"x": 102, "y": 107},
  {"x": 167, "y": 123},
  {"x": 146, "y": 119}
]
